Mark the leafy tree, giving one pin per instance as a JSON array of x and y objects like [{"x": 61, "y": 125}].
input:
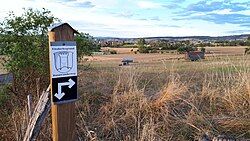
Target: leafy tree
[
  {"x": 25, "y": 43},
  {"x": 164, "y": 45},
  {"x": 181, "y": 50},
  {"x": 184, "y": 49},
  {"x": 203, "y": 49},
  {"x": 141, "y": 46},
  {"x": 248, "y": 41},
  {"x": 247, "y": 50},
  {"x": 86, "y": 44},
  {"x": 1, "y": 44},
  {"x": 141, "y": 42}
]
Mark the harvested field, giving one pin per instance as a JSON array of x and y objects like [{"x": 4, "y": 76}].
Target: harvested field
[
  {"x": 226, "y": 50},
  {"x": 120, "y": 50},
  {"x": 167, "y": 99},
  {"x": 137, "y": 57},
  {"x": 157, "y": 98},
  {"x": 212, "y": 51}
]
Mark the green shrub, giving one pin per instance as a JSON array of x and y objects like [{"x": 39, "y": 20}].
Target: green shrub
[
  {"x": 4, "y": 90},
  {"x": 181, "y": 50},
  {"x": 24, "y": 41},
  {"x": 203, "y": 49},
  {"x": 247, "y": 50},
  {"x": 153, "y": 51},
  {"x": 86, "y": 44},
  {"x": 113, "y": 52},
  {"x": 143, "y": 50},
  {"x": 184, "y": 49}
]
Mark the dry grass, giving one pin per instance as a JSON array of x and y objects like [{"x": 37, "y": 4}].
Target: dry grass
[
  {"x": 138, "y": 57},
  {"x": 120, "y": 50},
  {"x": 226, "y": 50},
  {"x": 125, "y": 52},
  {"x": 184, "y": 108},
  {"x": 157, "y": 100}
]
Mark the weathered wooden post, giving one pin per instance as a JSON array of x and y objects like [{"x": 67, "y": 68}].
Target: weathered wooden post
[{"x": 63, "y": 81}]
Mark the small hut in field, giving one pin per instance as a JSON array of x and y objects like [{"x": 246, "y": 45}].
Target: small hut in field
[{"x": 195, "y": 55}]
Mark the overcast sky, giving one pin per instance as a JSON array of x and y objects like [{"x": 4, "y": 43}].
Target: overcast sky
[{"x": 144, "y": 18}]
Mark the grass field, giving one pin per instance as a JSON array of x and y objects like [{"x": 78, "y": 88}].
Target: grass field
[
  {"x": 218, "y": 50},
  {"x": 161, "y": 97},
  {"x": 125, "y": 52},
  {"x": 157, "y": 98},
  {"x": 120, "y": 50}
]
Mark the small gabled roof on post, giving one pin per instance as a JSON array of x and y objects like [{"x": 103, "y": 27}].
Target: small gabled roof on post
[{"x": 57, "y": 25}]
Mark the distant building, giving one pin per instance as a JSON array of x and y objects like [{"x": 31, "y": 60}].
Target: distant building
[{"x": 195, "y": 55}]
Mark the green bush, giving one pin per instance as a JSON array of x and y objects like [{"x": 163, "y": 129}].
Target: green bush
[
  {"x": 247, "y": 50},
  {"x": 142, "y": 47},
  {"x": 203, "y": 49},
  {"x": 153, "y": 51},
  {"x": 143, "y": 50},
  {"x": 181, "y": 50},
  {"x": 184, "y": 49},
  {"x": 113, "y": 52},
  {"x": 4, "y": 91},
  {"x": 86, "y": 45},
  {"x": 24, "y": 41}
]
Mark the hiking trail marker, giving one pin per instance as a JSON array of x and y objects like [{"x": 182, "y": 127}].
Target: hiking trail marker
[
  {"x": 63, "y": 81},
  {"x": 64, "y": 71}
]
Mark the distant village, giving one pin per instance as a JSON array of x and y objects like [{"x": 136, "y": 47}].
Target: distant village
[{"x": 175, "y": 42}]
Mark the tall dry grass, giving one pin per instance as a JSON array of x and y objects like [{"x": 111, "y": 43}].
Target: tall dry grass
[
  {"x": 126, "y": 104},
  {"x": 213, "y": 102}
]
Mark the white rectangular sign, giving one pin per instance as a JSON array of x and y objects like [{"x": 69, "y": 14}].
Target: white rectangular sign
[
  {"x": 63, "y": 65},
  {"x": 63, "y": 60}
]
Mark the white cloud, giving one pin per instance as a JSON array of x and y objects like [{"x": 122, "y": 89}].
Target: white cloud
[
  {"x": 222, "y": 12},
  {"x": 99, "y": 21},
  {"x": 148, "y": 5},
  {"x": 246, "y": 12}
]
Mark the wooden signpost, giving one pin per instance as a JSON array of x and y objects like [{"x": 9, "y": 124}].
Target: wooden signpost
[{"x": 63, "y": 81}]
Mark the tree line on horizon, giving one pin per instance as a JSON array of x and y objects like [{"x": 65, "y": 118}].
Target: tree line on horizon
[{"x": 164, "y": 44}]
